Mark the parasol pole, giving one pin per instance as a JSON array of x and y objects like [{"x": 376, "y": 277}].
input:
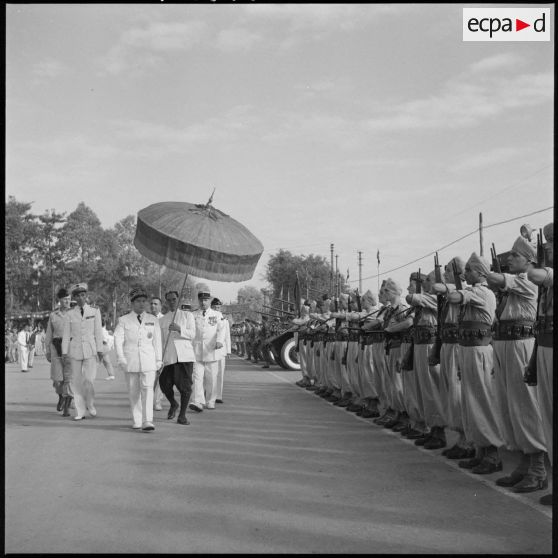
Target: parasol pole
[{"x": 168, "y": 336}]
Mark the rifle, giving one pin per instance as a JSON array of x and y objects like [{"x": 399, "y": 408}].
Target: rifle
[
  {"x": 407, "y": 362},
  {"x": 456, "y": 276},
  {"x": 495, "y": 261},
  {"x": 440, "y": 300},
  {"x": 277, "y": 310},
  {"x": 530, "y": 375}
]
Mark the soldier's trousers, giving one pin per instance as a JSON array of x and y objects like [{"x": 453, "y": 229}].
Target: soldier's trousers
[
  {"x": 352, "y": 369},
  {"x": 379, "y": 365},
  {"x": 302, "y": 359},
  {"x": 310, "y": 369},
  {"x": 84, "y": 373},
  {"x": 23, "y": 357},
  {"x": 333, "y": 382},
  {"x": 478, "y": 398},
  {"x": 396, "y": 400},
  {"x": 450, "y": 386},
  {"x": 61, "y": 375},
  {"x": 428, "y": 386},
  {"x": 544, "y": 392},
  {"x": 520, "y": 417},
  {"x": 340, "y": 368},
  {"x": 366, "y": 373}
]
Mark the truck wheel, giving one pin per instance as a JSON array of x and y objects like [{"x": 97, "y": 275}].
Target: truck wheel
[{"x": 289, "y": 355}]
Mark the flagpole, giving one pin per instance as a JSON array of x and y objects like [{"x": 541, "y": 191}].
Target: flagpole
[{"x": 378, "y": 257}]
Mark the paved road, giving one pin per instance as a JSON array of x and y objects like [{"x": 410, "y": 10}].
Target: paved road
[{"x": 273, "y": 469}]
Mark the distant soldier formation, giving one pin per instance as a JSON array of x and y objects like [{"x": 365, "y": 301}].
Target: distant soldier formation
[{"x": 467, "y": 349}]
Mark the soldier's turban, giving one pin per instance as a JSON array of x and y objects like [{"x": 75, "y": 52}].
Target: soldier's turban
[
  {"x": 525, "y": 249},
  {"x": 393, "y": 287},
  {"x": 459, "y": 263},
  {"x": 479, "y": 264},
  {"x": 370, "y": 297},
  {"x": 548, "y": 231}
]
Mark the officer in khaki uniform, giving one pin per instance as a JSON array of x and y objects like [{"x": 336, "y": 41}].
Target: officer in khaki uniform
[{"x": 82, "y": 343}]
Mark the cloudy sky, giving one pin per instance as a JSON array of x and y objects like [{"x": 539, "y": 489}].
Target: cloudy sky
[{"x": 368, "y": 126}]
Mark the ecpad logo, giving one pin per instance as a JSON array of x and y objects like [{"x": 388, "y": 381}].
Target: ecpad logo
[{"x": 506, "y": 24}]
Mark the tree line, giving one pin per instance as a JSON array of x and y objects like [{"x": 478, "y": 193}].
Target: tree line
[{"x": 44, "y": 252}]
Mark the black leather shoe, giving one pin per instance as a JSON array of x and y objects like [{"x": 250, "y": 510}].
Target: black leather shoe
[
  {"x": 530, "y": 484},
  {"x": 195, "y": 408},
  {"x": 434, "y": 443},
  {"x": 510, "y": 480},
  {"x": 60, "y": 403},
  {"x": 470, "y": 463},
  {"x": 486, "y": 467},
  {"x": 312, "y": 388},
  {"x": 367, "y": 413},
  {"x": 546, "y": 500},
  {"x": 414, "y": 434},
  {"x": 458, "y": 452},
  {"x": 182, "y": 420},
  {"x": 172, "y": 411},
  {"x": 343, "y": 403},
  {"x": 391, "y": 423},
  {"x": 218, "y": 401},
  {"x": 423, "y": 439},
  {"x": 400, "y": 426},
  {"x": 353, "y": 408},
  {"x": 359, "y": 412}
]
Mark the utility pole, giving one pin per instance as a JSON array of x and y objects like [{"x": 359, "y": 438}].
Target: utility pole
[
  {"x": 337, "y": 275},
  {"x": 331, "y": 269},
  {"x": 360, "y": 272},
  {"x": 480, "y": 234}
]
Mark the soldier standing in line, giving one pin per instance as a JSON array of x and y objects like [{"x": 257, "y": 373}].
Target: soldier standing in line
[
  {"x": 544, "y": 278},
  {"x": 364, "y": 359},
  {"x": 521, "y": 424},
  {"x": 410, "y": 422},
  {"x": 82, "y": 343},
  {"x": 137, "y": 339},
  {"x": 341, "y": 338},
  {"x": 450, "y": 385},
  {"x": 322, "y": 362},
  {"x": 478, "y": 399},
  {"x": 397, "y": 323},
  {"x": 60, "y": 369},
  {"x": 428, "y": 375},
  {"x": 300, "y": 341},
  {"x": 375, "y": 354},
  {"x": 352, "y": 352}
]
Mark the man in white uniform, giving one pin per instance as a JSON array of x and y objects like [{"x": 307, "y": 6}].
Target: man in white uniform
[
  {"x": 178, "y": 329},
  {"x": 137, "y": 340},
  {"x": 82, "y": 343},
  {"x": 23, "y": 351},
  {"x": 156, "y": 306},
  {"x": 210, "y": 337},
  {"x": 225, "y": 351}
]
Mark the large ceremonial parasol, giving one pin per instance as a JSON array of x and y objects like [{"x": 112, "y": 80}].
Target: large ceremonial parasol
[{"x": 197, "y": 239}]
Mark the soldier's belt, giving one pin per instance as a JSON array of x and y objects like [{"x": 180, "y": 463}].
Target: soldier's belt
[
  {"x": 393, "y": 343},
  {"x": 450, "y": 333},
  {"x": 340, "y": 336},
  {"x": 331, "y": 337},
  {"x": 354, "y": 336},
  {"x": 368, "y": 339},
  {"x": 513, "y": 330},
  {"x": 424, "y": 335},
  {"x": 544, "y": 324},
  {"x": 474, "y": 334}
]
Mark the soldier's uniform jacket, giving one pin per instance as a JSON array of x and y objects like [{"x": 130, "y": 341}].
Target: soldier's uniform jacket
[
  {"x": 210, "y": 329},
  {"x": 55, "y": 330},
  {"x": 429, "y": 304},
  {"x": 83, "y": 335},
  {"x": 479, "y": 304},
  {"x": 521, "y": 302},
  {"x": 138, "y": 346}
]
